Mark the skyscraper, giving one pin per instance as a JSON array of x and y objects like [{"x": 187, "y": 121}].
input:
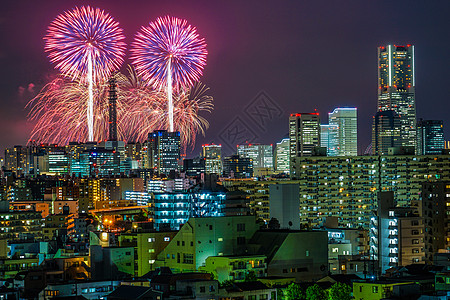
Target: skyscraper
[
  {"x": 304, "y": 134},
  {"x": 164, "y": 151},
  {"x": 386, "y": 132},
  {"x": 213, "y": 158},
  {"x": 396, "y": 87},
  {"x": 430, "y": 137},
  {"x": 282, "y": 161},
  {"x": 262, "y": 155},
  {"x": 344, "y": 120},
  {"x": 112, "y": 99},
  {"x": 328, "y": 138}
]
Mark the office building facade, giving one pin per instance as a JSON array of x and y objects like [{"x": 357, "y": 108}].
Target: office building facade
[
  {"x": 282, "y": 156},
  {"x": 261, "y": 155},
  {"x": 328, "y": 138},
  {"x": 237, "y": 167},
  {"x": 396, "y": 87},
  {"x": 345, "y": 121},
  {"x": 304, "y": 134},
  {"x": 386, "y": 132},
  {"x": 430, "y": 137},
  {"x": 164, "y": 151}
]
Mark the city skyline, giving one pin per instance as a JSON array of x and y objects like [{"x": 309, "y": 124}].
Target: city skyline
[{"x": 288, "y": 83}]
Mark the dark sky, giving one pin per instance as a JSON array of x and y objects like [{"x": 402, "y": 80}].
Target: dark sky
[{"x": 276, "y": 57}]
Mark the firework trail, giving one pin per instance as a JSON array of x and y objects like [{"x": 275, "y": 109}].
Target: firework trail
[
  {"x": 187, "y": 104},
  {"x": 169, "y": 54},
  {"x": 59, "y": 108},
  {"x": 86, "y": 44}
]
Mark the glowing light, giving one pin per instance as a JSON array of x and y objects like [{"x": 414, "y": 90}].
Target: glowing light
[
  {"x": 85, "y": 44},
  {"x": 413, "y": 67},
  {"x": 59, "y": 110},
  {"x": 390, "y": 65},
  {"x": 169, "y": 54}
]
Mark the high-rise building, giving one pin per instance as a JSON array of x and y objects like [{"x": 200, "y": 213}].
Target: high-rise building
[
  {"x": 344, "y": 120},
  {"x": 396, "y": 87},
  {"x": 430, "y": 137},
  {"x": 386, "y": 132},
  {"x": 237, "y": 167},
  {"x": 261, "y": 155},
  {"x": 213, "y": 158},
  {"x": 212, "y": 151},
  {"x": 304, "y": 134},
  {"x": 282, "y": 160},
  {"x": 328, "y": 138},
  {"x": 112, "y": 99},
  {"x": 346, "y": 187},
  {"x": 164, "y": 151},
  {"x": 434, "y": 208}
]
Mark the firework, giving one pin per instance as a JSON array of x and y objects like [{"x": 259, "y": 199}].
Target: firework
[
  {"x": 59, "y": 111},
  {"x": 86, "y": 44},
  {"x": 59, "y": 108},
  {"x": 169, "y": 54},
  {"x": 188, "y": 104}
]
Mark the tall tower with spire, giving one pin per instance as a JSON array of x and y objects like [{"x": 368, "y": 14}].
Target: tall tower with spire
[{"x": 112, "y": 99}]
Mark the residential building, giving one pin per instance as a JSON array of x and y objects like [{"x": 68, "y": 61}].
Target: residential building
[
  {"x": 377, "y": 290},
  {"x": 309, "y": 260},
  {"x": 147, "y": 246},
  {"x": 434, "y": 208},
  {"x": 234, "y": 267},
  {"x": 201, "y": 238},
  {"x": 396, "y": 234},
  {"x": 347, "y": 187}
]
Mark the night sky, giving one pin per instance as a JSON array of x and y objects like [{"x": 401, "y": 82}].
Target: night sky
[{"x": 276, "y": 57}]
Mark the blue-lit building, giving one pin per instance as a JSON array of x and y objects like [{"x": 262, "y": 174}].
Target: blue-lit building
[
  {"x": 164, "y": 151},
  {"x": 430, "y": 137},
  {"x": 171, "y": 210},
  {"x": 97, "y": 162}
]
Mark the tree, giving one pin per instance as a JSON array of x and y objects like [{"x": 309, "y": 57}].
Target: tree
[
  {"x": 340, "y": 291},
  {"x": 294, "y": 292},
  {"x": 274, "y": 224},
  {"x": 315, "y": 292}
]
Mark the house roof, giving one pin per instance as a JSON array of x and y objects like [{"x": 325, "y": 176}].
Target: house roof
[
  {"x": 131, "y": 292},
  {"x": 247, "y": 286}
]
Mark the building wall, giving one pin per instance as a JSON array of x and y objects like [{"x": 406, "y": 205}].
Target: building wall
[
  {"x": 303, "y": 255},
  {"x": 200, "y": 238},
  {"x": 346, "y": 187},
  {"x": 284, "y": 204}
]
